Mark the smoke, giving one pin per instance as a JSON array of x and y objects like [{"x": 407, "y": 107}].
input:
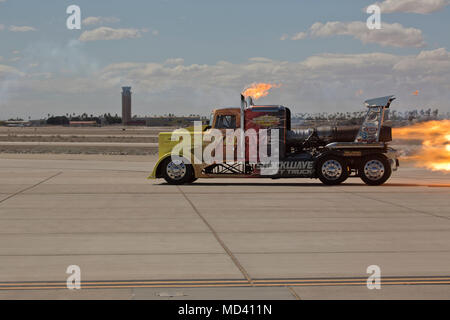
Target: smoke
[
  {"x": 54, "y": 58},
  {"x": 8, "y": 77},
  {"x": 37, "y": 69}
]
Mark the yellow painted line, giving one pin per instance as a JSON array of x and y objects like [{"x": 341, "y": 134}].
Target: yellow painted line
[
  {"x": 125, "y": 282},
  {"x": 349, "y": 279},
  {"x": 222, "y": 283},
  {"x": 126, "y": 286},
  {"x": 362, "y": 283}
]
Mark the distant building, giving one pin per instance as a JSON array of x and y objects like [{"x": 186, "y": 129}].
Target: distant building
[
  {"x": 174, "y": 121},
  {"x": 37, "y": 123},
  {"x": 17, "y": 123},
  {"x": 126, "y": 105},
  {"x": 83, "y": 123},
  {"x": 164, "y": 121},
  {"x": 136, "y": 122}
]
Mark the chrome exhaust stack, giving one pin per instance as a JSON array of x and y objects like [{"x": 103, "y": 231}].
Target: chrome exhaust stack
[
  {"x": 249, "y": 101},
  {"x": 242, "y": 127}
]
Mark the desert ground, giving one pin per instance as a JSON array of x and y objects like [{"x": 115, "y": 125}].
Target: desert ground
[
  {"x": 135, "y": 238},
  {"x": 80, "y": 140}
]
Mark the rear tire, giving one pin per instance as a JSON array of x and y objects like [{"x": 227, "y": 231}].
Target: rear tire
[
  {"x": 332, "y": 170},
  {"x": 375, "y": 170},
  {"x": 177, "y": 172}
]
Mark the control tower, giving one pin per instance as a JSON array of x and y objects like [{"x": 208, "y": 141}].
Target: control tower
[{"x": 126, "y": 105}]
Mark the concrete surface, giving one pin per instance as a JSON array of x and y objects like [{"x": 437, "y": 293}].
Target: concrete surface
[
  {"x": 100, "y": 212},
  {"x": 435, "y": 292},
  {"x": 430, "y": 292}
]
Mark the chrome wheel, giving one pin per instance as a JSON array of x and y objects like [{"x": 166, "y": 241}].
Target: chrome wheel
[
  {"x": 176, "y": 169},
  {"x": 374, "y": 170},
  {"x": 331, "y": 169}
]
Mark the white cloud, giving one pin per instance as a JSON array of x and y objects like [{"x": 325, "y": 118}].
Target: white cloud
[
  {"x": 21, "y": 28},
  {"x": 106, "y": 33},
  {"x": 154, "y": 32},
  {"x": 324, "y": 67},
  {"x": 299, "y": 36},
  {"x": 343, "y": 62},
  {"x": 433, "y": 62},
  {"x": 174, "y": 61},
  {"x": 440, "y": 54},
  {"x": 412, "y": 6},
  {"x": 324, "y": 82},
  {"x": 100, "y": 20},
  {"x": 319, "y": 81},
  {"x": 2, "y": 27},
  {"x": 394, "y": 34},
  {"x": 6, "y": 71}
]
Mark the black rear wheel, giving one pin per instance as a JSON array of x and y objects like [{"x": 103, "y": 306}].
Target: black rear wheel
[
  {"x": 332, "y": 170},
  {"x": 375, "y": 170}
]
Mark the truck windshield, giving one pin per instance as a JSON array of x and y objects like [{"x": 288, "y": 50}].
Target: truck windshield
[{"x": 226, "y": 122}]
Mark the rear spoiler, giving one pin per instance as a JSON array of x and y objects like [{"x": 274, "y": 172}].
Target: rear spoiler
[
  {"x": 369, "y": 132},
  {"x": 384, "y": 102}
]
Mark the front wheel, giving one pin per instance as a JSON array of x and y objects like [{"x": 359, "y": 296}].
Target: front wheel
[
  {"x": 177, "y": 171},
  {"x": 332, "y": 170},
  {"x": 375, "y": 170}
]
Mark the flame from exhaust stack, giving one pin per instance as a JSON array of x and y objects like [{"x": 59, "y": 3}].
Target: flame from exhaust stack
[
  {"x": 258, "y": 90},
  {"x": 434, "y": 153}
]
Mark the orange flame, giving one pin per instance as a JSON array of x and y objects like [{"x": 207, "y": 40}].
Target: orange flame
[
  {"x": 258, "y": 90},
  {"x": 435, "y": 137}
]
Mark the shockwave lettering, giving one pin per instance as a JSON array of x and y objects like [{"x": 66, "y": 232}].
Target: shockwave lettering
[{"x": 296, "y": 168}]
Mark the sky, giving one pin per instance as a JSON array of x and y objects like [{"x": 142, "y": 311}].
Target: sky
[{"x": 190, "y": 56}]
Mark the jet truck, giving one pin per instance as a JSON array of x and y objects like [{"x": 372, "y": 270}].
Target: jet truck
[{"x": 329, "y": 153}]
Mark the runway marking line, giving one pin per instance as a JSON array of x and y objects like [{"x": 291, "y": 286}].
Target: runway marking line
[
  {"x": 219, "y": 240},
  {"x": 444, "y": 280},
  {"x": 30, "y": 187}
]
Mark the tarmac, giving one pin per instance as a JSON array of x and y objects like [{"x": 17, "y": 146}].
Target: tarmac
[{"x": 135, "y": 238}]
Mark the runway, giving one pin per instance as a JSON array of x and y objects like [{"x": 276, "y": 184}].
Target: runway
[{"x": 135, "y": 238}]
